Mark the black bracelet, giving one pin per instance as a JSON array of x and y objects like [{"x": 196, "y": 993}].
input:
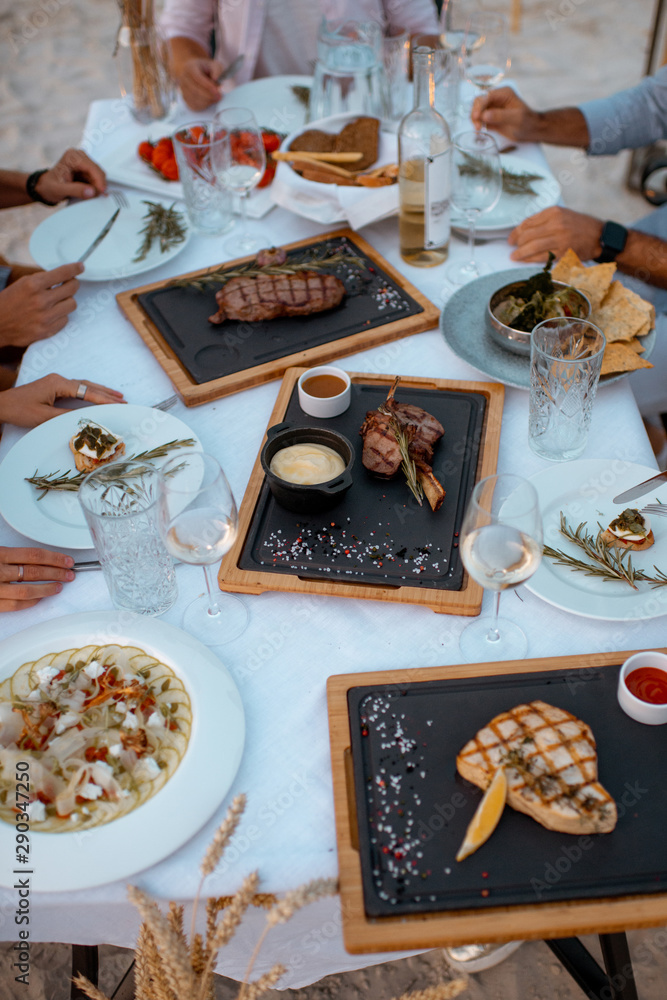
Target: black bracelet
[{"x": 31, "y": 188}]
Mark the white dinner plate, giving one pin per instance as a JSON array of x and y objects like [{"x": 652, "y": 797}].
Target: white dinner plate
[
  {"x": 57, "y": 519},
  {"x": 512, "y": 209},
  {"x": 80, "y": 860},
  {"x": 64, "y": 236},
  {"x": 583, "y": 491}
]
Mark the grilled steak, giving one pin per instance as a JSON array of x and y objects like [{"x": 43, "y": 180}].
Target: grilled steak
[
  {"x": 381, "y": 453},
  {"x": 552, "y": 767},
  {"x": 270, "y": 295}
]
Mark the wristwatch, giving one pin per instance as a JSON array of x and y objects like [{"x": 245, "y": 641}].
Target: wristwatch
[{"x": 613, "y": 241}]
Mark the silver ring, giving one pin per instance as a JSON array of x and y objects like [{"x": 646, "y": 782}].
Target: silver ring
[
  {"x": 19, "y": 578},
  {"x": 81, "y": 391}
]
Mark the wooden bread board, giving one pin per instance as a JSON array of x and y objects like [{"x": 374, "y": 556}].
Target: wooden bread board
[
  {"x": 457, "y": 927},
  {"x": 194, "y": 394},
  {"x": 466, "y": 601}
]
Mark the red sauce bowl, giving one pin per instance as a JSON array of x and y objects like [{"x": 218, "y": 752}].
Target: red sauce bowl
[{"x": 642, "y": 688}]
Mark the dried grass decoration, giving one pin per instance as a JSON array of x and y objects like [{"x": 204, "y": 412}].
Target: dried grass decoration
[
  {"x": 167, "y": 967},
  {"x": 150, "y": 78}
]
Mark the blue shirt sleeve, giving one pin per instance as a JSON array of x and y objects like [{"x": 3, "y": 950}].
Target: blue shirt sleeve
[{"x": 629, "y": 119}]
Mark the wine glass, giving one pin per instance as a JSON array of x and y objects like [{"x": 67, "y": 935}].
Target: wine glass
[
  {"x": 454, "y": 17},
  {"x": 486, "y": 47},
  {"x": 199, "y": 524},
  {"x": 240, "y": 163},
  {"x": 501, "y": 547},
  {"x": 477, "y": 182}
]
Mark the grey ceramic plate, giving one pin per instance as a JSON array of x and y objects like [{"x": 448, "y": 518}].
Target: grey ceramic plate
[{"x": 463, "y": 323}]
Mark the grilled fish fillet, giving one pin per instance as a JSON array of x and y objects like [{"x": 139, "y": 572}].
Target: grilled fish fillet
[{"x": 551, "y": 763}]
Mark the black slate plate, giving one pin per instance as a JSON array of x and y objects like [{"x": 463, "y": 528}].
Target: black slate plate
[
  {"x": 209, "y": 352},
  {"x": 413, "y": 808},
  {"x": 378, "y": 533}
]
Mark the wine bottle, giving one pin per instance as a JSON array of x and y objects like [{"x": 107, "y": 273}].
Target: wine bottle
[{"x": 424, "y": 172}]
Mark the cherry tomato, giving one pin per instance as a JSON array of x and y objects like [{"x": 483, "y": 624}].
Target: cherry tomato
[
  {"x": 160, "y": 156},
  {"x": 145, "y": 151},
  {"x": 268, "y": 174},
  {"x": 271, "y": 141},
  {"x": 170, "y": 169}
]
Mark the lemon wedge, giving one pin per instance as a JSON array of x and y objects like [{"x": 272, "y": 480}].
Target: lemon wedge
[{"x": 486, "y": 816}]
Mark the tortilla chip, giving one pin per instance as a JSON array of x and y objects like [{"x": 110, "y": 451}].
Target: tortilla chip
[
  {"x": 617, "y": 317},
  {"x": 646, "y": 307},
  {"x": 636, "y": 345},
  {"x": 594, "y": 282},
  {"x": 620, "y": 357},
  {"x": 563, "y": 268}
]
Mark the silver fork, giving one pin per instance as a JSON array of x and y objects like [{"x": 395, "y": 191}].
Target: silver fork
[
  {"x": 166, "y": 404},
  {"x": 655, "y": 508},
  {"x": 119, "y": 197}
]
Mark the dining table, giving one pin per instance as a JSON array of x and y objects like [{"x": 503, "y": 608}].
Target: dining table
[{"x": 294, "y": 642}]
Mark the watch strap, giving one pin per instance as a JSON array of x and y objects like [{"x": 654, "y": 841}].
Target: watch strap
[
  {"x": 31, "y": 188},
  {"x": 613, "y": 239},
  {"x": 5, "y": 273}
]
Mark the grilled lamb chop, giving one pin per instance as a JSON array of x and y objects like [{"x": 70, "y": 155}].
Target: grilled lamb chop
[
  {"x": 551, "y": 763},
  {"x": 381, "y": 453},
  {"x": 268, "y": 296}
]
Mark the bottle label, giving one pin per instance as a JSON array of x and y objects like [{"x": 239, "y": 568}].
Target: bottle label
[{"x": 436, "y": 200}]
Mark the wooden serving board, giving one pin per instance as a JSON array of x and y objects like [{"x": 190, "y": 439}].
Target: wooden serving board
[
  {"x": 493, "y": 923},
  {"x": 436, "y": 589},
  {"x": 194, "y": 394}
]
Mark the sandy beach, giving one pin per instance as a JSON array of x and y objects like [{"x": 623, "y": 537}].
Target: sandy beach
[{"x": 56, "y": 57}]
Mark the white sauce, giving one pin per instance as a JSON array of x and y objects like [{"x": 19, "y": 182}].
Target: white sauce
[{"x": 307, "y": 464}]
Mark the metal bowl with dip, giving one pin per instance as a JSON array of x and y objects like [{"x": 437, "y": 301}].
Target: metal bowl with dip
[
  {"x": 295, "y": 459},
  {"x": 571, "y": 302}
]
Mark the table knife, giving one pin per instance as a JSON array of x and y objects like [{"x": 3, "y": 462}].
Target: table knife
[
  {"x": 81, "y": 567},
  {"x": 98, "y": 239},
  {"x": 641, "y": 488},
  {"x": 231, "y": 69}
]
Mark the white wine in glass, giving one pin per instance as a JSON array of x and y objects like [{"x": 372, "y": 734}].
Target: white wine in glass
[
  {"x": 501, "y": 547},
  {"x": 486, "y": 43},
  {"x": 200, "y": 524}
]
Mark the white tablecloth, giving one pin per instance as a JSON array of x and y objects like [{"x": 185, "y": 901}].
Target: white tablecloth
[{"x": 293, "y": 643}]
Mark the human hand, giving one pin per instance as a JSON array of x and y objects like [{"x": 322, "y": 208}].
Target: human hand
[
  {"x": 556, "y": 229},
  {"x": 22, "y": 569},
  {"x": 32, "y": 404},
  {"x": 37, "y": 305},
  {"x": 197, "y": 82},
  {"x": 75, "y": 175},
  {"x": 503, "y": 111}
]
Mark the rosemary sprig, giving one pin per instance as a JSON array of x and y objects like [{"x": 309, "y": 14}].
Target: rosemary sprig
[
  {"x": 70, "y": 482},
  {"x": 407, "y": 462},
  {"x": 309, "y": 261},
  {"x": 163, "y": 224},
  {"x": 608, "y": 563},
  {"x": 513, "y": 183}
]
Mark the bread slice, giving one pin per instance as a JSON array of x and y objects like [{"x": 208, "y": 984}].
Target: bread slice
[
  {"x": 360, "y": 136},
  {"x": 95, "y": 436},
  {"x": 609, "y": 538},
  {"x": 313, "y": 140}
]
